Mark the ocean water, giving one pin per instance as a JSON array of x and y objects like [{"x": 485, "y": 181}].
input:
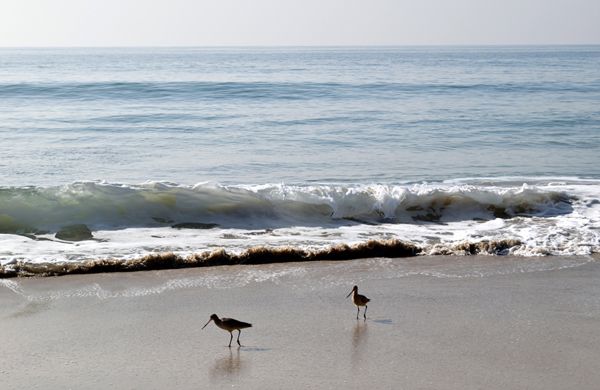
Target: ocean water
[{"x": 451, "y": 150}]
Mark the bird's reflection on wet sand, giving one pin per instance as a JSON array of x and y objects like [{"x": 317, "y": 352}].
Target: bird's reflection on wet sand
[
  {"x": 359, "y": 342},
  {"x": 229, "y": 365}
]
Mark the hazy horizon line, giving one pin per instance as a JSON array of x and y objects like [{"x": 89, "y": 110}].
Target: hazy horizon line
[{"x": 299, "y": 46}]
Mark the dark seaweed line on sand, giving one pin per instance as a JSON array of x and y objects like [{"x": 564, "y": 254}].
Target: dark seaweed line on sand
[{"x": 256, "y": 255}]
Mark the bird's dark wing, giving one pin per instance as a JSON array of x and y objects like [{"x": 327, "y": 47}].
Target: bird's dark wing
[{"x": 235, "y": 323}]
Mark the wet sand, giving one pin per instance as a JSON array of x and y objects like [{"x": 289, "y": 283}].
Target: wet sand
[{"x": 434, "y": 323}]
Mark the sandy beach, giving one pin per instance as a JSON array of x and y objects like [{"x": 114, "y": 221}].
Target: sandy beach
[{"x": 434, "y": 323}]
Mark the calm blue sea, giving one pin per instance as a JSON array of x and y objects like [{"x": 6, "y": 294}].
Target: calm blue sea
[
  {"x": 337, "y": 140},
  {"x": 298, "y": 115}
]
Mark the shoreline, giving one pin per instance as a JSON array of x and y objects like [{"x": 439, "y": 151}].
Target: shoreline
[
  {"x": 391, "y": 248},
  {"x": 474, "y": 322}
]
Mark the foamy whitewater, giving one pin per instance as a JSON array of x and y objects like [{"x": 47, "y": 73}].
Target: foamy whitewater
[{"x": 192, "y": 151}]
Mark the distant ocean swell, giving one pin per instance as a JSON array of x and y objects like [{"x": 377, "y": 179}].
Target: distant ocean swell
[
  {"x": 39, "y": 210},
  {"x": 266, "y": 90}
]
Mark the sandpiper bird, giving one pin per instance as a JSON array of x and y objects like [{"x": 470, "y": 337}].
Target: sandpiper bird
[
  {"x": 359, "y": 300},
  {"x": 229, "y": 324}
]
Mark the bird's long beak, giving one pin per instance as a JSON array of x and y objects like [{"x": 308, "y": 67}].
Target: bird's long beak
[
  {"x": 207, "y": 323},
  {"x": 350, "y": 293}
]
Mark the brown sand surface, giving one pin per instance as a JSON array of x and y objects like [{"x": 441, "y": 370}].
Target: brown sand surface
[{"x": 433, "y": 323}]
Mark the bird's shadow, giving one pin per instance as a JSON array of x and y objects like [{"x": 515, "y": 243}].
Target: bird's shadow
[
  {"x": 254, "y": 349},
  {"x": 385, "y": 321}
]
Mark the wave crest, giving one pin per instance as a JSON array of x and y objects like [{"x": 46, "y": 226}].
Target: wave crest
[{"x": 114, "y": 206}]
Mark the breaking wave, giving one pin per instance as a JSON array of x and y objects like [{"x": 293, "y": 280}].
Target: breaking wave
[
  {"x": 88, "y": 227},
  {"x": 36, "y": 210}
]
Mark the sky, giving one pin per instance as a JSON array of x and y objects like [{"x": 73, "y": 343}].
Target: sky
[{"x": 297, "y": 22}]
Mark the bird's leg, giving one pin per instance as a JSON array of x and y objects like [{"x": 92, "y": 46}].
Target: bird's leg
[
  {"x": 357, "y": 311},
  {"x": 238, "y": 339},
  {"x": 365, "y": 312},
  {"x": 231, "y": 338}
]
